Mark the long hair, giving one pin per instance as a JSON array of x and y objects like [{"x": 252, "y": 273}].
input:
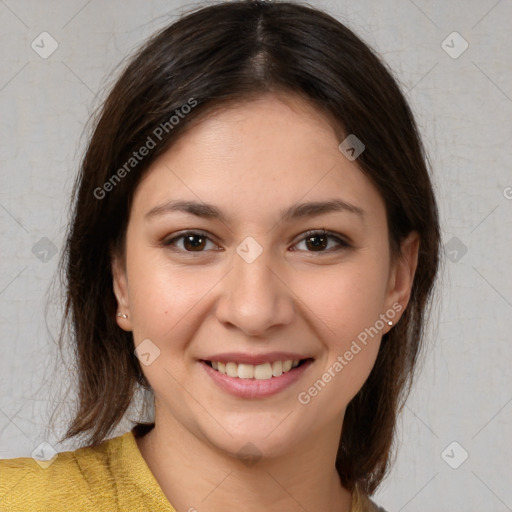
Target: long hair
[{"x": 233, "y": 52}]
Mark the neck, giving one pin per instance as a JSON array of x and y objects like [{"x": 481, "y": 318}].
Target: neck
[{"x": 195, "y": 475}]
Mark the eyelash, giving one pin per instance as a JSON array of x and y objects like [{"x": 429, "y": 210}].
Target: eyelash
[{"x": 342, "y": 244}]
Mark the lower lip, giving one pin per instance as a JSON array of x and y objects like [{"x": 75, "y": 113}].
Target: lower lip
[{"x": 254, "y": 388}]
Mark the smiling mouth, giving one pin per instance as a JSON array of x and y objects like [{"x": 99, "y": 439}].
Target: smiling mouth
[{"x": 264, "y": 371}]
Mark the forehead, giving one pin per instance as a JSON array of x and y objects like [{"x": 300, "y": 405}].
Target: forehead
[{"x": 258, "y": 155}]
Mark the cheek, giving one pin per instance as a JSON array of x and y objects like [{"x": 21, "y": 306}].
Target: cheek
[
  {"x": 164, "y": 299},
  {"x": 345, "y": 299},
  {"x": 345, "y": 306}
]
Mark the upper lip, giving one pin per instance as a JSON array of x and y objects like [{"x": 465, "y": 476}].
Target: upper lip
[{"x": 255, "y": 359}]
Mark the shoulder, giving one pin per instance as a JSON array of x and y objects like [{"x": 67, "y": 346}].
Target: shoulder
[
  {"x": 363, "y": 503},
  {"x": 72, "y": 477},
  {"x": 376, "y": 508},
  {"x": 371, "y": 506}
]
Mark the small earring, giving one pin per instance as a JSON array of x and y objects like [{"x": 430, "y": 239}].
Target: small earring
[
  {"x": 390, "y": 322},
  {"x": 122, "y": 315}
]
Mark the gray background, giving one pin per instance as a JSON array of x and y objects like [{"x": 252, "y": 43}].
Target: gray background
[{"x": 463, "y": 106}]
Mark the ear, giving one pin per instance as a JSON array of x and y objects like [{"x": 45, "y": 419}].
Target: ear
[
  {"x": 402, "y": 273},
  {"x": 120, "y": 285}
]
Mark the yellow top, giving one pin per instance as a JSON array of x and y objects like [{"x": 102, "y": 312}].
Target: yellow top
[{"x": 108, "y": 478}]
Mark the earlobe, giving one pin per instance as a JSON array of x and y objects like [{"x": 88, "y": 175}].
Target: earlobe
[
  {"x": 403, "y": 272},
  {"x": 120, "y": 287}
]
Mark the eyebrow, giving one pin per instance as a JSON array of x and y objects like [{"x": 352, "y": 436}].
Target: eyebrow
[{"x": 296, "y": 211}]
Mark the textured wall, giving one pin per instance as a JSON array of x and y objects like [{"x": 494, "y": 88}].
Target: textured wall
[{"x": 462, "y": 96}]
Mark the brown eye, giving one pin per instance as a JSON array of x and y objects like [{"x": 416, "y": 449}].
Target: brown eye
[
  {"x": 192, "y": 242},
  {"x": 318, "y": 241}
]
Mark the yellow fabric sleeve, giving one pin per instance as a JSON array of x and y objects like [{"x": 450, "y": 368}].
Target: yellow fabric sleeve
[{"x": 111, "y": 477}]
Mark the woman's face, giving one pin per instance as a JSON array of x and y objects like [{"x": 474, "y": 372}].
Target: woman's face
[{"x": 234, "y": 276}]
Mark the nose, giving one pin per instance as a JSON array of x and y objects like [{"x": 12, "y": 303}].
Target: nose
[{"x": 254, "y": 297}]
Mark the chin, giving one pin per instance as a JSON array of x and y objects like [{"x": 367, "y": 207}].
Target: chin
[{"x": 253, "y": 443}]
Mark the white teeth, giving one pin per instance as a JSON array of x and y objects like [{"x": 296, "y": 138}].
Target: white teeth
[
  {"x": 245, "y": 371},
  {"x": 232, "y": 369},
  {"x": 277, "y": 368},
  {"x": 263, "y": 371}
]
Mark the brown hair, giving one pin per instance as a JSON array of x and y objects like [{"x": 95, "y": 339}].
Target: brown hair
[{"x": 232, "y": 52}]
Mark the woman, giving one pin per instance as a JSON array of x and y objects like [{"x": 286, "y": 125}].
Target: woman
[{"x": 254, "y": 240}]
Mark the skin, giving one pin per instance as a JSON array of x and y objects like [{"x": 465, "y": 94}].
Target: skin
[{"x": 251, "y": 161}]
